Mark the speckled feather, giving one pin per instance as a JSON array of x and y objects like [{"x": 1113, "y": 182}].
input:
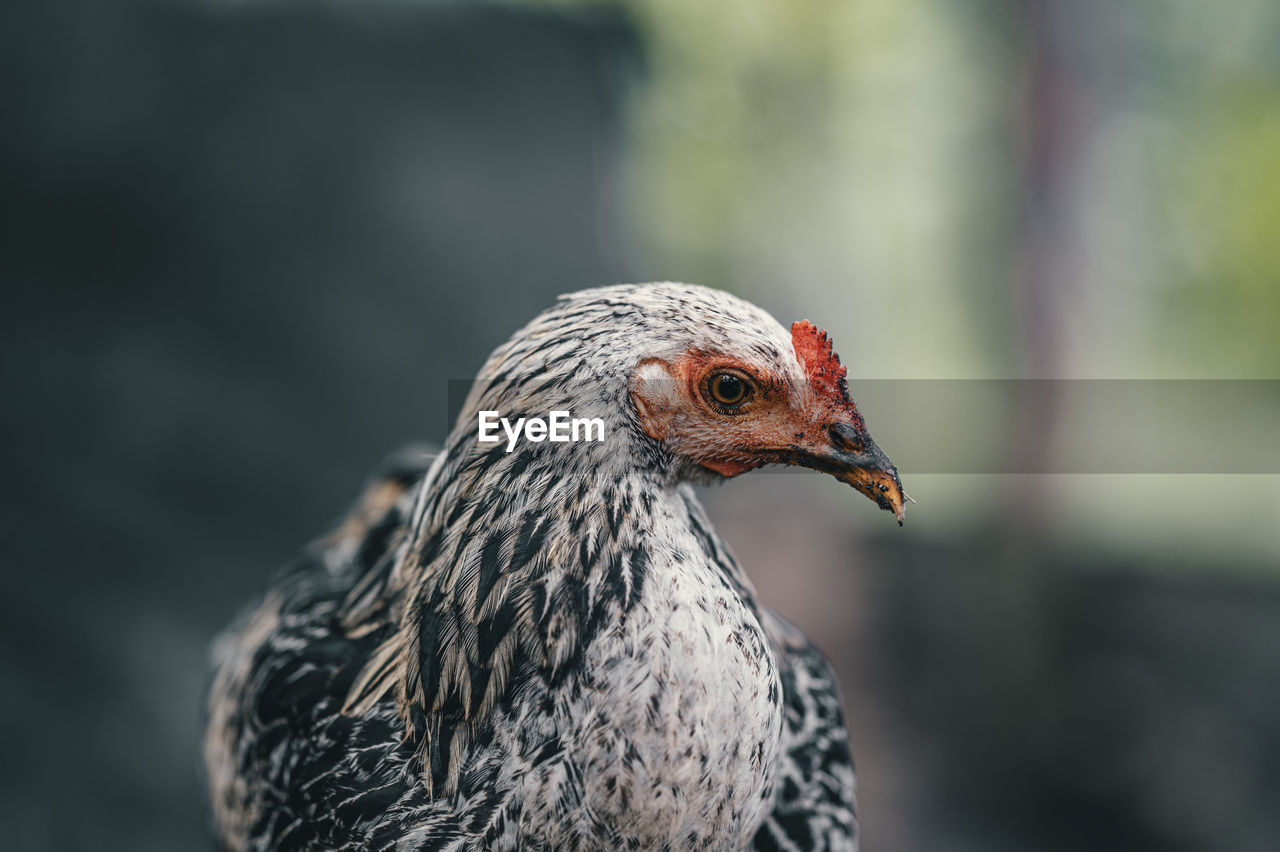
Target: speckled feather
[{"x": 543, "y": 649}]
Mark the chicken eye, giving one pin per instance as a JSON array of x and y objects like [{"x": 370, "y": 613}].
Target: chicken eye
[{"x": 728, "y": 389}]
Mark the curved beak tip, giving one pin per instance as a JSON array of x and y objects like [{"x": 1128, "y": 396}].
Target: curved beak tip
[
  {"x": 899, "y": 511},
  {"x": 881, "y": 486}
]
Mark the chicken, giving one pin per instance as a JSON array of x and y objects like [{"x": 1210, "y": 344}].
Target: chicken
[{"x": 544, "y": 644}]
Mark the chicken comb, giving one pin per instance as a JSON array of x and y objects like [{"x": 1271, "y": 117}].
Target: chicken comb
[{"x": 827, "y": 376}]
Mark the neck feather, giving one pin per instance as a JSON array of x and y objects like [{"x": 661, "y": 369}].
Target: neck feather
[{"x": 513, "y": 562}]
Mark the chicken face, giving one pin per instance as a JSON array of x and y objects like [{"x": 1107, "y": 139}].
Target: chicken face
[{"x": 731, "y": 412}]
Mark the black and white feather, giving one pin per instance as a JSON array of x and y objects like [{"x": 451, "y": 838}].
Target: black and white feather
[{"x": 544, "y": 649}]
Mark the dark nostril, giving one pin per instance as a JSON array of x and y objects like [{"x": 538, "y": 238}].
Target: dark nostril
[{"x": 846, "y": 438}]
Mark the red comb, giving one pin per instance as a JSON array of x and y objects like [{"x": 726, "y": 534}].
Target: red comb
[{"x": 821, "y": 364}]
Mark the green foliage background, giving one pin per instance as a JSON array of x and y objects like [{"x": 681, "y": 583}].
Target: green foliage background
[{"x": 868, "y": 163}]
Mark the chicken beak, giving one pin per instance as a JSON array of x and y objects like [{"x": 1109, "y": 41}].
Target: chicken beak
[
  {"x": 881, "y": 484},
  {"x": 854, "y": 458}
]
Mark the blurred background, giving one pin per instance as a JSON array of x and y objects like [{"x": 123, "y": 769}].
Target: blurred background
[{"x": 246, "y": 245}]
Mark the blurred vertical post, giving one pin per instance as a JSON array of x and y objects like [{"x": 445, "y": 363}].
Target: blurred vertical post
[
  {"x": 1044, "y": 134},
  {"x": 1042, "y": 278}
]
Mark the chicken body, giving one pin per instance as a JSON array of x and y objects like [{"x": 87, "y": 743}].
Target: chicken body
[{"x": 548, "y": 648}]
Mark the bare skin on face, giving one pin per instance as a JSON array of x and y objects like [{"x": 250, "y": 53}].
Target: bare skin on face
[{"x": 731, "y": 415}]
